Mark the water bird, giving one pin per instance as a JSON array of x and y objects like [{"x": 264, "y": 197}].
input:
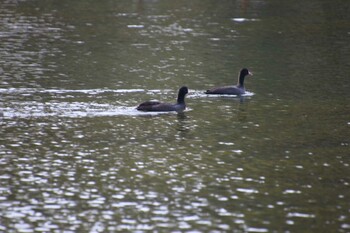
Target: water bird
[
  {"x": 238, "y": 89},
  {"x": 156, "y": 106}
]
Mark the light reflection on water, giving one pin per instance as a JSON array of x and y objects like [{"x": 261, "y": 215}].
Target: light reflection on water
[{"x": 62, "y": 108}]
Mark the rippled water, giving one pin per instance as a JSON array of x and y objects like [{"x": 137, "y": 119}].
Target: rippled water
[{"x": 76, "y": 156}]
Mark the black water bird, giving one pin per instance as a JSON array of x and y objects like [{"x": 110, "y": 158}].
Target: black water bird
[
  {"x": 238, "y": 89},
  {"x": 156, "y": 106}
]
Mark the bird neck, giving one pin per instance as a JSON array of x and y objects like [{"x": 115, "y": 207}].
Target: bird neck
[
  {"x": 241, "y": 80},
  {"x": 181, "y": 98}
]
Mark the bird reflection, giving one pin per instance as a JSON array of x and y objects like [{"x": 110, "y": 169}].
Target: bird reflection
[
  {"x": 183, "y": 125},
  {"x": 242, "y": 105},
  {"x": 242, "y": 114}
]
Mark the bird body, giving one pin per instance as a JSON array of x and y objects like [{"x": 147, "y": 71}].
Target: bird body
[
  {"x": 156, "y": 106},
  {"x": 238, "y": 89},
  {"x": 226, "y": 90}
]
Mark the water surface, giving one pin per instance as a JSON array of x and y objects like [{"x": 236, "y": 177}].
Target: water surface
[{"x": 75, "y": 155}]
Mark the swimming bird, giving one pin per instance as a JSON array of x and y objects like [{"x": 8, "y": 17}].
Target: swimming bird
[
  {"x": 232, "y": 90},
  {"x": 156, "y": 106}
]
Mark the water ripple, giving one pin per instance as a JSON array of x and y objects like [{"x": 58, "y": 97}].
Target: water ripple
[{"x": 73, "y": 109}]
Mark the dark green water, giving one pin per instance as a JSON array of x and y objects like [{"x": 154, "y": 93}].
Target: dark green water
[{"x": 75, "y": 155}]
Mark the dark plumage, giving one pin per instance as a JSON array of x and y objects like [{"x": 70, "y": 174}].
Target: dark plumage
[
  {"x": 232, "y": 90},
  {"x": 156, "y": 106}
]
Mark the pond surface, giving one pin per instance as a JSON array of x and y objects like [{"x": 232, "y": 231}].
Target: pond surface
[{"x": 75, "y": 155}]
